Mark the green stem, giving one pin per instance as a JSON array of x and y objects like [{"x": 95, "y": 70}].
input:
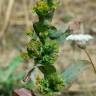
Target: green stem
[{"x": 90, "y": 60}]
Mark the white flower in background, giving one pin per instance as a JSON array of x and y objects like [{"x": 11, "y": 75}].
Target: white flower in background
[
  {"x": 79, "y": 37},
  {"x": 36, "y": 76}
]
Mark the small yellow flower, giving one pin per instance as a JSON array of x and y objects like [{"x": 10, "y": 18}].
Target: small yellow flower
[{"x": 41, "y": 6}]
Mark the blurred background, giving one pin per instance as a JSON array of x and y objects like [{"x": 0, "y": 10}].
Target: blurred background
[{"x": 16, "y": 17}]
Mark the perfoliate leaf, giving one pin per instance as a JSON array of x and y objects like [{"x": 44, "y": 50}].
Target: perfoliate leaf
[
  {"x": 47, "y": 69},
  {"x": 54, "y": 33}
]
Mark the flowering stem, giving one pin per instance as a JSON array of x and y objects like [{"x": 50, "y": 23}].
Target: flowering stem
[{"x": 90, "y": 60}]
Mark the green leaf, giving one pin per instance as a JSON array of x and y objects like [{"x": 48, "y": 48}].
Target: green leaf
[
  {"x": 54, "y": 33},
  {"x": 47, "y": 69},
  {"x": 64, "y": 35},
  {"x": 10, "y": 69},
  {"x": 40, "y": 27},
  {"x": 72, "y": 71}
]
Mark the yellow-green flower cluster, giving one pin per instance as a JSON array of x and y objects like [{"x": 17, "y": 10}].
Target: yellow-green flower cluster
[{"x": 43, "y": 7}]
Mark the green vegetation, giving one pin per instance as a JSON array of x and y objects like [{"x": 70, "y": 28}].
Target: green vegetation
[{"x": 43, "y": 48}]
